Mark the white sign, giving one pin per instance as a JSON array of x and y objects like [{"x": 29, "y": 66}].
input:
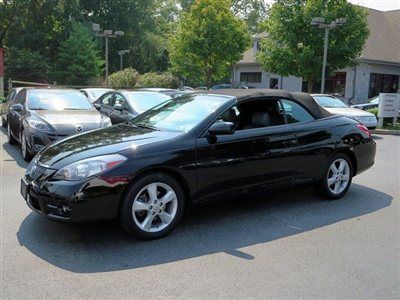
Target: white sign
[{"x": 389, "y": 105}]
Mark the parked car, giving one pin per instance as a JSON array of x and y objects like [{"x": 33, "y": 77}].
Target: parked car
[
  {"x": 39, "y": 116},
  {"x": 121, "y": 106},
  {"x": 5, "y": 106},
  {"x": 193, "y": 149},
  {"x": 337, "y": 107},
  {"x": 372, "y": 103},
  {"x": 222, "y": 86},
  {"x": 94, "y": 93},
  {"x": 172, "y": 93}
]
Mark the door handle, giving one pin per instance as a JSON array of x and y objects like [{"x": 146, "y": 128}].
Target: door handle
[{"x": 291, "y": 143}]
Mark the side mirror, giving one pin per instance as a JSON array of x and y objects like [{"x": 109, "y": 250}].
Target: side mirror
[
  {"x": 17, "y": 107},
  {"x": 221, "y": 128},
  {"x": 119, "y": 107},
  {"x": 97, "y": 106}
]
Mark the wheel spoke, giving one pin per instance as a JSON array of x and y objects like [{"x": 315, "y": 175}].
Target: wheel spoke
[
  {"x": 331, "y": 181},
  {"x": 165, "y": 217},
  {"x": 337, "y": 186},
  {"x": 168, "y": 197},
  {"x": 147, "y": 222},
  {"x": 345, "y": 177},
  {"x": 152, "y": 190},
  {"x": 333, "y": 168},
  {"x": 140, "y": 206},
  {"x": 341, "y": 166}
]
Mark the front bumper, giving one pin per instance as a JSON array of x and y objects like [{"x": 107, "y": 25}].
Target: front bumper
[
  {"x": 73, "y": 201},
  {"x": 38, "y": 139}
]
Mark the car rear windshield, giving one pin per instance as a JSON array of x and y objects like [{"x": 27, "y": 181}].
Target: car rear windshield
[
  {"x": 57, "y": 100},
  {"x": 142, "y": 101},
  {"x": 180, "y": 114},
  {"x": 329, "y": 102}
]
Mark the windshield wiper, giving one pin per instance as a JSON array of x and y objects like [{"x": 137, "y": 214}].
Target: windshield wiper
[{"x": 143, "y": 125}]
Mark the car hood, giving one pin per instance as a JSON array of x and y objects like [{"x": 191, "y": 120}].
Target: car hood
[
  {"x": 71, "y": 117},
  {"x": 108, "y": 140},
  {"x": 348, "y": 111}
]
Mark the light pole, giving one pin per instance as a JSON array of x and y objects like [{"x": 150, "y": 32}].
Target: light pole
[
  {"x": 320, "y": 23},
  {"x": 106, "y": 34},
  {"x": 121, "y": 53}
]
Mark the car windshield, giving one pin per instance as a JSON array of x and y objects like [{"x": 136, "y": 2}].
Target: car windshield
[
  {"x": 329, "y": 102},
  {"x": 142, "y": 101},
  {"x": 57, "y": 100},
  {"x": 180, "y": 114},
  {"x": 374, "y": 100},
  {"x": 97, "y": 93}
]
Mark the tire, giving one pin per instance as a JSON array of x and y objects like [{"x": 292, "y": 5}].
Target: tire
[
  {"x": 26, "y": 155},
  {"x": 3, "y": 123},
  {"x": 143, "y": 212},
  {"x": 11, "y": 140},
  {"x": 335, "y": 185}
]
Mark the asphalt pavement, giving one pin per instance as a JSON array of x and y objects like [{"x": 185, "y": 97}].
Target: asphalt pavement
[{"x": 290, "y": 245}]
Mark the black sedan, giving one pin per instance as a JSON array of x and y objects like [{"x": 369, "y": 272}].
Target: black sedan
[
  {"x": 40, "y": 116},
  {"x": 121, "y": 106},
  {"x": 193, "y": 149}
]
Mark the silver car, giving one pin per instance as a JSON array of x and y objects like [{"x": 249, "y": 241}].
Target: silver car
[{"x": 337, "y": 107}]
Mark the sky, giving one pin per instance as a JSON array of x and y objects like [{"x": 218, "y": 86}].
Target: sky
[{"x": 375, "y": 4}]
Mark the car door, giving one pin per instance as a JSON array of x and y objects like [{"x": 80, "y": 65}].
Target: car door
[
  {"x": 105, "y": 104},
  {"x": 121, "y": 116},
  {"x": 249, "y": 160}
]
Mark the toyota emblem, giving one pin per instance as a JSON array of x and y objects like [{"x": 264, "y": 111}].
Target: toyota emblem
[{"x": 78, "y": 128}]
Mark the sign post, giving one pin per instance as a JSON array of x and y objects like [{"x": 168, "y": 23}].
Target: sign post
[{"x": 389, "y": 106}]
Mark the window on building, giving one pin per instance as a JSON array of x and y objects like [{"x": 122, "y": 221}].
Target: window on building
[
  {"x": 251, "y": 77},
  {"x": 382, "y": 83},
  {"x": 274, "y": 83}
]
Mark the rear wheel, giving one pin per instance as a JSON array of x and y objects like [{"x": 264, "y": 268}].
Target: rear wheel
[
  {"x": 11, "y": 140},
  {"x": 3, "y": 123},
  {"x": 337, "y": 177},
  {"x": 152, "y": 207}
]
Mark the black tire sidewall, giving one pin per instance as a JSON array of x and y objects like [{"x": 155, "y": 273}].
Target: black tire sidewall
[
  {"x": 27, "y": 157},
  {"x": 125, "y": 210},
  {"x": 324, "y": 188}
]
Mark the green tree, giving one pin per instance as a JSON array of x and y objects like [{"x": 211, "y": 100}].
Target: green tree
[
  {"x": 23, "y": 64},
  {"x": 123, "y": 79},
  {"x": 78, "y": 60},
  {"x": 294, "y": 47},
  {"x": 208, "y": 41}
]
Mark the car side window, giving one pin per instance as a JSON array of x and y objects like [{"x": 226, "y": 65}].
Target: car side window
[
  {"x": 106, "y": 99},
  {"x": 119, "y": 99},
  {"x": 21, "y": 97},
  {"x": 295, "y": 113}
]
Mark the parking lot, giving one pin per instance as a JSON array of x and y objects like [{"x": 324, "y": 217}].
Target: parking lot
[{"x": 287, "y": 245}]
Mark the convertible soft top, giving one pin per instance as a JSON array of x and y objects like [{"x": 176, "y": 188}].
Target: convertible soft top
[{"x": 303, "y": 98}]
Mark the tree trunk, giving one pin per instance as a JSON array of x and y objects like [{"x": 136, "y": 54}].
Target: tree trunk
[{"x": 310, "y": 83}]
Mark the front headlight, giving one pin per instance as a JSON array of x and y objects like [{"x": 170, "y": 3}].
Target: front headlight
[
  {"x": 105, "y": 122},
  {"x": 38, "y": 125},
  {"x": 89, "y": 167}
]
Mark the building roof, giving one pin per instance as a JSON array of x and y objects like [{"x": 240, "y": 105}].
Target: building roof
[
  {"x": 303, "y": 98},
  {"x": 383, "y": 44}
]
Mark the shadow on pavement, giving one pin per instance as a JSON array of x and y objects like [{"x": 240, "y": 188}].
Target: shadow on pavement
[
  {"x": 223, "y": 227},
  {"x": 13, "y": 150}
]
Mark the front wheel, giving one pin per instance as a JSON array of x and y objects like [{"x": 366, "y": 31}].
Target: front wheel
[
  {"x": 337, "y": 177},
  {"x": 24, "y": 148},
  {"x": 11, "y": 140},
  {"x": 152, "y": 207}
]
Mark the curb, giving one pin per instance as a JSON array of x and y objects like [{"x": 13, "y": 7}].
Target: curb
[{"x": 385, "y": 131}]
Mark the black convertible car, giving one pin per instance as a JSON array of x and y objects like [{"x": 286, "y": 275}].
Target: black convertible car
[{"x": 200, "y": 147}]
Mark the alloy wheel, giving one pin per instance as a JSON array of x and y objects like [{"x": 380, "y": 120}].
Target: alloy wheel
[
  {"x": 154, "y": 207},
  {"x": 338, "y": 176}
]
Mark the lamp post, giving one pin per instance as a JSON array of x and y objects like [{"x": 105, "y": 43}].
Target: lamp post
[
  {"x": 106, "y": 34},
  {"x": 121, "y": 53},
  {"x": 320, "y": 23}
]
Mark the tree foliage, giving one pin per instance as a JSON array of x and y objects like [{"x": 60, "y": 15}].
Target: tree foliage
[
  {"x": 161, "y": 80},
  {"x": 294, "y": 47},
  {"x": 126, "y": 78},
  {"x": 78, "y": 60},
  {"x": 208, "y": 40}
]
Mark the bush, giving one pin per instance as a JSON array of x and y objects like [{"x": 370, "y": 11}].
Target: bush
[
  {"x": 373, "y": 111},
  {"x": 159, "y": 80},
  {"x": 123, "y": 79}
]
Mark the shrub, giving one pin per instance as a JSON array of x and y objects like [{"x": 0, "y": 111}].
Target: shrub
[
  {"x": 123, "y": 79},
  {"x": 373, "y": 111},
  {"x": 160, "y": 80}
]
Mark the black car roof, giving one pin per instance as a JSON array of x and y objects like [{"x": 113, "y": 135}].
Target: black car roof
[{"x": 302, "y": 98}]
